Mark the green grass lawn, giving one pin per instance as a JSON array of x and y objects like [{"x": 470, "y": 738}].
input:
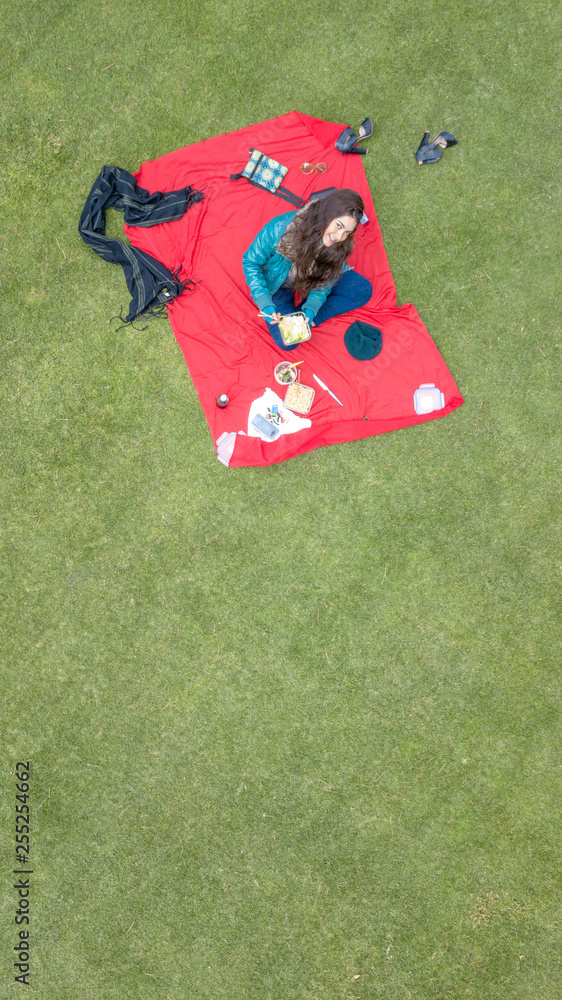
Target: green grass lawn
[{"x": 292, "y": 729}]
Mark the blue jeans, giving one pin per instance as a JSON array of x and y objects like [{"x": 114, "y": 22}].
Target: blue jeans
[{"x": 351, "y": 291}]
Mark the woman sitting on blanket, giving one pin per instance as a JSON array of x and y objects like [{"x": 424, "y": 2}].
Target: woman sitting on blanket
[{"x": 305, "y": 253}]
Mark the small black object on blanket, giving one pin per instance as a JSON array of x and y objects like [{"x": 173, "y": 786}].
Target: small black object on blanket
[{"x": 150, "y": 284}]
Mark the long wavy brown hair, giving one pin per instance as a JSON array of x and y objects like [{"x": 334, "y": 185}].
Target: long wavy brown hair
[{"x": 302, "y": 243}]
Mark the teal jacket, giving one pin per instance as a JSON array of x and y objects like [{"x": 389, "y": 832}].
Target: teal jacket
[{"x": 265, "y": 269}]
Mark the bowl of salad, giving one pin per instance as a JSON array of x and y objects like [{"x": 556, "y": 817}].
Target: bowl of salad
[
  {"x": 285, "y": 373},
  {"x": 294, "y": 329}
]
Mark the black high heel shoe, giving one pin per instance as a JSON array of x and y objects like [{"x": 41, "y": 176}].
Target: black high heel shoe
[
  {"x": 367, "y": 127},
  {"x": 347, "y": 141},
  {"x": 430, "y": 152},
  {"x": 427, "y": 152},
  {"x": 444, "y": 139}
]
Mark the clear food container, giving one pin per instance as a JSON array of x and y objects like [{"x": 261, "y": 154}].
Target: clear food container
[
  {"x": 428, "y": 398},
  {"x": 299, "y": 397},
  {"x": 301, "y": 332}
]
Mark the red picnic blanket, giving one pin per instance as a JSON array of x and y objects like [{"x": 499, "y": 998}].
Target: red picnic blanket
[{"x": 227, "y": 347}]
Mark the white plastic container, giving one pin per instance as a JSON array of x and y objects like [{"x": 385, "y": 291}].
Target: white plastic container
[
  {"x": 428, "y": 398},
  {"x": 225, "y": 446}
]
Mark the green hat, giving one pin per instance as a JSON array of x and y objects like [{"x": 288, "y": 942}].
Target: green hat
[{"x": 363, "y": 341}]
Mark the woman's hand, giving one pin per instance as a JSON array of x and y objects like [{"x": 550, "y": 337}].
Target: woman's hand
[
  {"x": 271, "y": 317},
  {"x": 309, "y": 319}
]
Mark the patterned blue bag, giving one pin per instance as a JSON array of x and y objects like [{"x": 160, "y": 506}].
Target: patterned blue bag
[{"x": 265, "y": 172}]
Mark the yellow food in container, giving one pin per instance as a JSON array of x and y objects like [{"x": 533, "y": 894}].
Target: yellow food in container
[{"x": 299, "y": 397}]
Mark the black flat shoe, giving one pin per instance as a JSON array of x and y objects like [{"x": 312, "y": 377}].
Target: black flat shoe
[{"x": 367, "y": 127}]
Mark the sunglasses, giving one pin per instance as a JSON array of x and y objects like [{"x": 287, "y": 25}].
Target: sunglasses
[{"x": 309, "y": 168}]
